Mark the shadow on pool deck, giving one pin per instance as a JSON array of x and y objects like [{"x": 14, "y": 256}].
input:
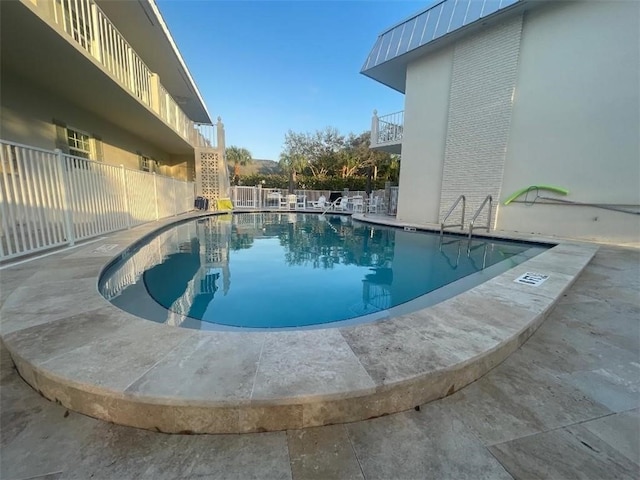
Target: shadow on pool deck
[{"x": 566, "y": 404}]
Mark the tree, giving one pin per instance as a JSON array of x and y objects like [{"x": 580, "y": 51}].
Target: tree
[
  {"x": 328, "y": 159},
  {"x": 238, "y": 156},
  {"x": 292, "y": 163}
]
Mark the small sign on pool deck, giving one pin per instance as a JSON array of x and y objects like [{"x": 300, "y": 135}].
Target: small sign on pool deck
[{"x": 531, "y": 278}]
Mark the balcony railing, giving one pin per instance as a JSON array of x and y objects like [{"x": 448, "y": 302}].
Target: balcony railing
[
  {"x": 85, "y": 23},
  {"x": 387, "y": 129}
]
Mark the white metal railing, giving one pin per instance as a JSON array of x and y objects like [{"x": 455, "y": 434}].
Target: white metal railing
[
  {"x": 171, "y": 113},
  {"x": 246, "y": 197},
  {"x": 91, "y": 29},
  {"x": 258, "y": 197},
  {"x": 48, "y": 198},
  {"x": 387, "y": 129},
  {"x": 205, "y": 135}
]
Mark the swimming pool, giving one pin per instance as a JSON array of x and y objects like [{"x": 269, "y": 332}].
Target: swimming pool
[{"x": 292, "y": 270}]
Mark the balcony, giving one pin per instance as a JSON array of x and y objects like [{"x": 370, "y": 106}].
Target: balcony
[
  {"x": 83, "y": 24},
  {"x": 386, "y": 132}
]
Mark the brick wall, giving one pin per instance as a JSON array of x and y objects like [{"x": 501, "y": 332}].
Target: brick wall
[{"x": 483, "y": 80}]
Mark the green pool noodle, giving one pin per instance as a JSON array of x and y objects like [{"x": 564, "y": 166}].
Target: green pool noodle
[{"x": 522, "y": 191}]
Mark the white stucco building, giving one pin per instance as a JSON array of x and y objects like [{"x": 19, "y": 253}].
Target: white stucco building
[{"x": 503, "y": 95}]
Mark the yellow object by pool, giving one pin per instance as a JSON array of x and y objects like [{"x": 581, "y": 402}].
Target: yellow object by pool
[{"x": 224, "y": 204}]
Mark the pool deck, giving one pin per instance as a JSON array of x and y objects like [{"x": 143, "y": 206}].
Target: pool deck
[
  {"x": 563, "y": 405},
  {"x": 77, "y": 349}
]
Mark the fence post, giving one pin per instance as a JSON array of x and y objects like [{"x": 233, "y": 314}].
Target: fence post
[
  {"x": 66, "y": 201},
  {"x": 131, "y": 71},
  {"x": 155, "y": 194},
  {"x": 387, "y": 196},
  {"x": 154, "y": 94},
  {"x": 220, "y": 137},
  {"x": 125, "y": 195},
  {"x": 96, "y": 44},
  {"x": 258, "y": 203},
  {"x": 374, "y": 128}
]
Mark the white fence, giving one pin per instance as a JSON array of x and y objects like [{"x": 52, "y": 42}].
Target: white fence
[
  {"x": 48, "y": 199},
  {"x": 253, "y": 198}
]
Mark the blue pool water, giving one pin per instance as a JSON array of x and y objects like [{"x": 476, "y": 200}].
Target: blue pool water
[{"x": 284, "y": 270}]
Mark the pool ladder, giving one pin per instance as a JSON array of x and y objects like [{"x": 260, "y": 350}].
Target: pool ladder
[
  {"x": 443, "y": 225},
  {"x": 488, "y": 199}
]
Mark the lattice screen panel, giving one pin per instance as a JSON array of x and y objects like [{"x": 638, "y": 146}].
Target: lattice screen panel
[{"x": 209, "y": 174}]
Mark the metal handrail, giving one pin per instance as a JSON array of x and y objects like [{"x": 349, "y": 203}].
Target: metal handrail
[
  {"x": 331, "y": 205},
  {"x": 461, "y": 224},
  {"x": 489, "y": 199}
]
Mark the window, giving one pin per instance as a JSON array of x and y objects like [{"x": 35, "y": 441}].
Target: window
[
  {"x": 148, "y": 164},
  {"x": 79, "y": 143},
  {"x": 145, "y": 164}
]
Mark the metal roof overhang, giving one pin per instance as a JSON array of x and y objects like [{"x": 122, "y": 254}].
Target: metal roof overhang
[
  {"x": 141, "y": 23},
  {"x": 31, "y": 49},
  {"x": 393, "y": 72}
]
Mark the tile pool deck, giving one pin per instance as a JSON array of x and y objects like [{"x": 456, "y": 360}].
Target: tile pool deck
[{"x": 561, "y": 381}]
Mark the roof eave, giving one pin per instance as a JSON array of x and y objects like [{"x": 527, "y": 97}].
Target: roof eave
[
  {"x": 165, "y": 28},
  {"x": 393, "y": 72}
]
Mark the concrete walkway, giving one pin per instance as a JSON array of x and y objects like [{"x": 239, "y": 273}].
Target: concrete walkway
[{"x": 565, "y": 405}]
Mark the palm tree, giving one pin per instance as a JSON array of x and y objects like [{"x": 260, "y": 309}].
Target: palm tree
[
  {"x": 292, "y": 163},
  {"x": 238, "y": 156}
]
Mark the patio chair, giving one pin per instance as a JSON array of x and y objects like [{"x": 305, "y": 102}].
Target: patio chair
[
  {"x": 357, "y": 202},
  {"x": 375, "y": 205},
  {"x": 273, "y": 199},
  {"x": 340, "y": 204},
  {"x": 320, "y": 203},
  {"x": 290, "y": 202}
]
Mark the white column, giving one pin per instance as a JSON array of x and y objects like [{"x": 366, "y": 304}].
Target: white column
[{"x": 374, "y": 128}]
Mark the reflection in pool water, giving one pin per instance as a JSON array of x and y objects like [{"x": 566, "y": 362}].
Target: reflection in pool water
[{"x": 270, "y": 270}]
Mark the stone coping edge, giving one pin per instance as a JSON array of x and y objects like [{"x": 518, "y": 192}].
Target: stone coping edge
[{"x": 164, "y": 415}]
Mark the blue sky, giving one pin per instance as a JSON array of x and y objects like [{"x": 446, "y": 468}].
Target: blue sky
[{"x": 269, "y": 66}]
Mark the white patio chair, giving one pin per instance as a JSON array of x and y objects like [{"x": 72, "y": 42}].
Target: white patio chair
[
  {"x": 340, "y": 204},
  {"x": 357, "y": 203},
  {"x": 375, "y": 205},
  {"x": 289, "y": 202},
  {"x": 321, "y": 203}
]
